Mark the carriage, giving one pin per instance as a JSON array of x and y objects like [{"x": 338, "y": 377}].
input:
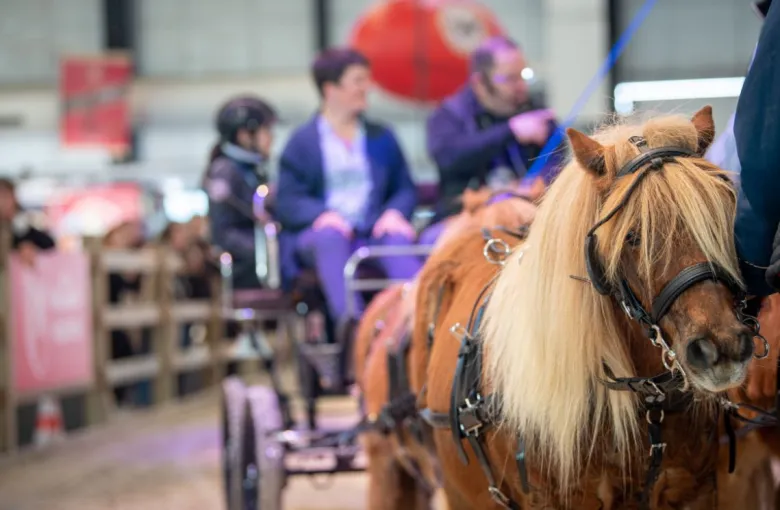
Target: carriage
[
  {"x": 262, "y": 443},
  {"x": 646, "y": 347}
]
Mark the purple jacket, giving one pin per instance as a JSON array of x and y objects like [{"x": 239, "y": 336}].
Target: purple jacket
[{"x": 466, "y": 143}]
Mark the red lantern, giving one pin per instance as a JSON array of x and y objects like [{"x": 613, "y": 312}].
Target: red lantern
[{"x": 420, "y": 49}]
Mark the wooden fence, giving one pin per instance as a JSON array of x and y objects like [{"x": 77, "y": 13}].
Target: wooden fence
[{"x": 155, "y": 309}]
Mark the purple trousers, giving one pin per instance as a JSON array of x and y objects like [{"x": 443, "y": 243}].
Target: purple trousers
[
  {"x": 431, "y": 233},
  {"x": 327, "y": 251}
]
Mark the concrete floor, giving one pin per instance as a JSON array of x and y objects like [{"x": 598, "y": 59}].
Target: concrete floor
[{"x": 166, "y": 459}]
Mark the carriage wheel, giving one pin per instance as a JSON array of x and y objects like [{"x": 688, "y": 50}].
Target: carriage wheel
[
  {"x": 233, "y": 409},
  {"x": 262, "y": 456}
]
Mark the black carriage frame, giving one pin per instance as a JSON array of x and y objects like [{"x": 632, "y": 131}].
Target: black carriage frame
[{"x": 262, "y": 444}]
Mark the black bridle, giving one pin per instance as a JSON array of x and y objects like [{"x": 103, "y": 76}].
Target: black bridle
[
  {"x": 647, "y": 161},
  {"x": 662, "y": 393}
]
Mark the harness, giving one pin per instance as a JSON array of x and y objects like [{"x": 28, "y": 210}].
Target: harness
[
  {"x": 400, "y": 412},
  {"x": 471, "y": 413}
]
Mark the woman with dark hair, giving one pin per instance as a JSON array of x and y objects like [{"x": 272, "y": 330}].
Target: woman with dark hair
[
  {"x": 26, "y": 239},
  {"x": 236, "y": 181}
]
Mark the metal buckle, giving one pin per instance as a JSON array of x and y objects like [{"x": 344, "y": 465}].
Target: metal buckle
[
  {"x": 626, "y": 309},
  {"x": 668, "y": 356},
  {"x": 650, "y": 419},
  {"x": 498, "y": 496},
  {"x": 496, "y": 251},
  {"x": 766, "y": 347},
  {"x": 653, "y": 386},
  {"x": 469, "y": 421},
  {"x": 658, "y": 446},
  {"x": 459, "y": 331}
]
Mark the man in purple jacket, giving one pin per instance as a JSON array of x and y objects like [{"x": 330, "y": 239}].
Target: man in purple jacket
[
  {"x": 343, "y": 183},
  {"x": 489, "y": 132}
]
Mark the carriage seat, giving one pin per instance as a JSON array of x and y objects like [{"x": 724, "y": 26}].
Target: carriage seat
[{"x": 306, "y": 287}]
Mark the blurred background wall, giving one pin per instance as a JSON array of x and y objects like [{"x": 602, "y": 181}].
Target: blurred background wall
[{"x": 191, "y": 54}]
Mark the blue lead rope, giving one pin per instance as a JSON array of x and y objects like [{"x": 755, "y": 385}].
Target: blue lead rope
[{"x": 555, "y": 140}]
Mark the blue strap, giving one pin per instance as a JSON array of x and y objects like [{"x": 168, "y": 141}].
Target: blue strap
[{"x": 552, "y": 144}]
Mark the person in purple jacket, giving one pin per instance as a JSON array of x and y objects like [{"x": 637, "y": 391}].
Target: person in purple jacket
[
  {"x": 489, "y": 133},
  {"x": 343, "y": 183}
]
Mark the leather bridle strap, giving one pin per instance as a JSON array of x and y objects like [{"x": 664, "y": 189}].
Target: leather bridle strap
[
  {"x": 684, "y": 280},
  {"x": 654, "y": 157}
]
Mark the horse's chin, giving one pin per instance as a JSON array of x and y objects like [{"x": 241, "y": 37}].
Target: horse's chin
[{"x": 718, "y": 379}]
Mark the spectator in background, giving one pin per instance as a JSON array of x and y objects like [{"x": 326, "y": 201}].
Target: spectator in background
[
  {"x": 193, "y": 282},
  {"x": 199, "y": 228},
  {"x": 236, "y": 181},
  {"x": 489, "y": 132},
  {"x": 343, "y": 182},
  {"x": 26, "y": 240}
]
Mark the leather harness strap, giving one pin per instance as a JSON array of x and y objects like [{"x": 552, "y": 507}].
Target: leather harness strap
[{"x": 471, "y": 413}]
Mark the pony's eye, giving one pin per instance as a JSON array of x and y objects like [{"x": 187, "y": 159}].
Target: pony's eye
[{"x": 633, "y": 239}]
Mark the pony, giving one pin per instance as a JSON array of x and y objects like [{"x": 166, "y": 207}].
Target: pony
[
  {"x": 578, "y": 396},
  {"x": 402, "y": 474}
]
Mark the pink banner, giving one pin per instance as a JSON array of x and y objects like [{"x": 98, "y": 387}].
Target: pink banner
[
  {"x": 51, "y": 322},
  {"x": 94, "y": 210}
]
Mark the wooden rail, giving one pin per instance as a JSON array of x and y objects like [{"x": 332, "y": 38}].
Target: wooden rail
[{"x": 154, "y": 309}]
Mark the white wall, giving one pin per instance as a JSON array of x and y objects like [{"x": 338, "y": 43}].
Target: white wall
[
  {"x": 690, "y": 39},
  {"x": 576, "y": 37},
  {"x": 196, "y": 38},
  {"x": 34, "y": 34},
  {"x": 195, "y": 53}
]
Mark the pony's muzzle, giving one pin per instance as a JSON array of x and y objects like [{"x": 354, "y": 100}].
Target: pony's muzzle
[{"x": 706, "y": 353}]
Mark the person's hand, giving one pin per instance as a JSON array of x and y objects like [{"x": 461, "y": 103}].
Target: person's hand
[
  {"x": 533, "y": 190},
  {"x": 332, "y": 219},
  {"x": 28, "y": 252},
  {"x": 392, "y": 222},
  {"x": 532, "y": 127}
]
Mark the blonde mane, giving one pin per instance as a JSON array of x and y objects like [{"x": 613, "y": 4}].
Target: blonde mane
[{"x": 547, "y": 335}]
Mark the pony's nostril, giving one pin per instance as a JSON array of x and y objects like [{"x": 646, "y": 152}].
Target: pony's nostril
[
  {"x": 746, "y": 346},
  {"x": 702, "y": 353}
]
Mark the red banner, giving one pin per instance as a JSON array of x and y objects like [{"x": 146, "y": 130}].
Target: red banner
[
  {"x": 51, "y": 322},
  {"x": 95, "y": 102}
]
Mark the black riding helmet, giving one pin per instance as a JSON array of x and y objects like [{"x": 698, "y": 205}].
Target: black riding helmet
[{"x": 244, "y": 112}]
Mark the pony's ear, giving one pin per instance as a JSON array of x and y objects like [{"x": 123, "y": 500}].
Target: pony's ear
[
  {"x": 705, "y": 128},
  {"x": 588, "y": 152}
]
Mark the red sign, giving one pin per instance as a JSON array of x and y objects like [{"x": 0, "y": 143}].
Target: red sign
[
  {"x": 95, "y": 105},
  {"x": 51, "y": 322},
  {"x": 95, "y": 210},
  {"x": 421, "y": 49}
]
